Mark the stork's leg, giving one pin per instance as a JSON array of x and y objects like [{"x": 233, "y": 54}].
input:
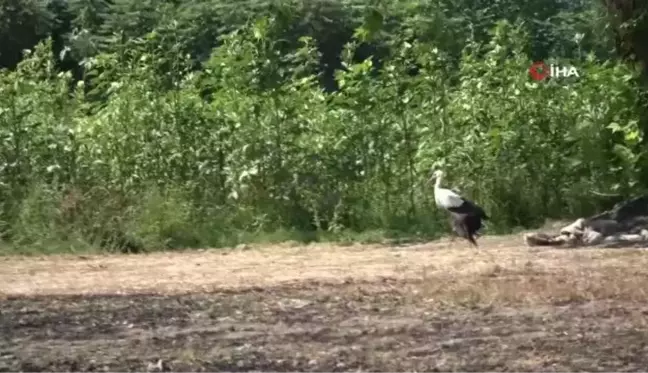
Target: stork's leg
[
  {"x": 446, "y": 243},
  {"x": 453, "y": 236},
  {"x": 473, "y": 242}
]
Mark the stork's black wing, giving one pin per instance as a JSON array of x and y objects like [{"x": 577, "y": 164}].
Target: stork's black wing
[{"x": 469, "y": 208}]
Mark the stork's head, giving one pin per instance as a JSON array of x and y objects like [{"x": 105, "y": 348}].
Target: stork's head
[{"x": 436, "y": 174}]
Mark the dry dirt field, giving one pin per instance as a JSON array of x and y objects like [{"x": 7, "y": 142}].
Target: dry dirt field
[{"x": 429, "y": 307}]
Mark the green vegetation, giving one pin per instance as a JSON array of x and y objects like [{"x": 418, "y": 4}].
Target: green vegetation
[{"x": 141, "y": 125}]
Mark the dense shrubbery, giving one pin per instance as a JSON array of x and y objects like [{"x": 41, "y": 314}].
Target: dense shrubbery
[{"x": 149, "y": 151}]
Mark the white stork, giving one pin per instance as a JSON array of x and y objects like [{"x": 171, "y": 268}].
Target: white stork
[{"x": 466, "y": 215}]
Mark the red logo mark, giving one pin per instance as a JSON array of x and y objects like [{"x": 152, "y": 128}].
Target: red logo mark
[{"x": 539, "y": 70}]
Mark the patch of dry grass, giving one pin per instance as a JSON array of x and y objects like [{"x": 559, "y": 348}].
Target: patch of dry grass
[{"x": 501, "y": 272}]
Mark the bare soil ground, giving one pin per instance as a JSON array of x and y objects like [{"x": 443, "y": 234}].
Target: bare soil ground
[{"x": 323, "y": 308}]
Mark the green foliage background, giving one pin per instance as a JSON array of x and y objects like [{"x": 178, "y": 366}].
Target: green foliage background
[{"x": 143, "y": 125}]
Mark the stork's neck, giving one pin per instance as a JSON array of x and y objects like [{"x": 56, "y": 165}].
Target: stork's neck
[{"x": 437, "y": 183}]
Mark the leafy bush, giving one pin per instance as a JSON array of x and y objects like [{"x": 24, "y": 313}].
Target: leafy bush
[{"x": 250, "y": 144}]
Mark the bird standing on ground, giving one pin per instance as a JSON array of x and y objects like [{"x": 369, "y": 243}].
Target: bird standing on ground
[{"x": 466, "y": 216}]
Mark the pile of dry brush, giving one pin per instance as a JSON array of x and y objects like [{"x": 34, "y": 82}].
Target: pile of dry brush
[{"x": 625, "y": 225}]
